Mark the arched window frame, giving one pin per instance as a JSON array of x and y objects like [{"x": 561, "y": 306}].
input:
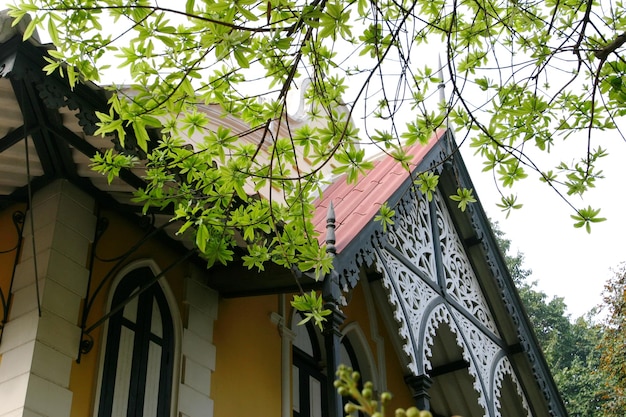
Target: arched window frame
[
  {"x": 176, "y": 331},
  {"x": 305, "y": 367},
  {"x": 360, "y": 351}
]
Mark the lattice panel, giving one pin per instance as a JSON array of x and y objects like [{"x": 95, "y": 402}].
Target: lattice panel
[
  {"x": 440, "y": 315},
  {"x": 410, "y": 295},
  {"x": 412, "y": 235},
  {"x": 461, "y": 281},
  {"x": 483, "y": 349},
  {"x": 406, "y": 260},
  {"x": 504, "y": 368}
]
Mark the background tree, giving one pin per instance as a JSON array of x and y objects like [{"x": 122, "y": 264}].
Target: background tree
[
  {"x": 613, "y": 344},
  {"x": 570, "y": 347},
  {"x": 522, "y": 76}
]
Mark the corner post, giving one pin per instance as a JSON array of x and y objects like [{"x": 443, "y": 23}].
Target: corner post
[
  {"x": 331, "y": 294},
  {"x": 419, "y": 386}
]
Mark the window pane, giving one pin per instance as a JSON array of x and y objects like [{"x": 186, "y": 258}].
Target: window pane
[
  {"x": 315, "y": 390},
  {"x": 295, "y": 378},
  {"x": 151, "y": 399},
  {"x": 130, "y": 310},
  {"x": 122, "y": 374},
  {"x": 156, "y": 326}
]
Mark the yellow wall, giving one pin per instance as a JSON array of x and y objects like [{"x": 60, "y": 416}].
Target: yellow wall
[
  {"x": 120, "y": 236},
  {"x": 8, "y": 247},
  {"x": 8, "y": 251},
  {"x": 247, "y": 376}
]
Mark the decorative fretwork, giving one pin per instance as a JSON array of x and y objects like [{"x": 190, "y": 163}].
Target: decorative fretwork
[
  {"x": 439, "y": 315},
  {"x": 504, "y": 368},
  {"x": 482, "y": 348},
  {"x": 412, "y": 235},
  {"x": 410, "y": 296},
  {"x": 406, "y": 258},
  {"x": 460, "y": 279}
]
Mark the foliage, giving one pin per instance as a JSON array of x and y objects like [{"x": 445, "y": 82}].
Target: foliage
[
  {"x": 367, "y": 83},
  {"x": 613, "y": 344},
  {"x": 311, "y": 306}
]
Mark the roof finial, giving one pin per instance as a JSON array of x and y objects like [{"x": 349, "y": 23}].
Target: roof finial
[
  {"x": 330, "y": 230},
  {"x": 442, "y": 92}
]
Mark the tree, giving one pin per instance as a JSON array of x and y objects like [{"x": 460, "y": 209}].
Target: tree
[
  {"x": 368, "y": 84},
  {"x": 613, "y": 344},
  {"x": 570, "y": 348}
]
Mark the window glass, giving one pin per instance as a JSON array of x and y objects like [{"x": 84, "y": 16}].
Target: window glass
[{"x": 138, "y": 361}]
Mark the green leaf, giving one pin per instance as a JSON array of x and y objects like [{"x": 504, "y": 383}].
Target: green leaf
[
  {"x": 586, "y": 216},
  {"x": 385, "y": 216},
  {"x": 30, "y": 28},
  {"x": 312, "y": 305},
  {"x": 463, "y": 196}
]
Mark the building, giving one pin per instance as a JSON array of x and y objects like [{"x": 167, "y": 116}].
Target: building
[{"x": 105, "y": 312}]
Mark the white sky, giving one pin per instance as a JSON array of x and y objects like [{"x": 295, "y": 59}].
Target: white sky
[{"x": 565, "y": 261}]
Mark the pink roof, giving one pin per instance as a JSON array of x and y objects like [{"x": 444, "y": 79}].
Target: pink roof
[{"x": 358, "y": 203}]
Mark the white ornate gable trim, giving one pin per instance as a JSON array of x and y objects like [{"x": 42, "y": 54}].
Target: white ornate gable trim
[
  {"x": 429, "y": 284},
  {"x": 416, "y": 273}
]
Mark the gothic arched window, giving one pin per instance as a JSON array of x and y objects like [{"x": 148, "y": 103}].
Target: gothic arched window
[{"x": 139, "y": 354}]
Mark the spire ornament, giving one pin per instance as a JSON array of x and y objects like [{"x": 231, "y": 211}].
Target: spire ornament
[{"x": 330, "y": 230}]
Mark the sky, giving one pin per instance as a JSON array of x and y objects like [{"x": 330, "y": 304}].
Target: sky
[{"x": 566, "y": 262}]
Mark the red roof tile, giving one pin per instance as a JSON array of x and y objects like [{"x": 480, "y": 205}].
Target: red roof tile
[{"x": 357, "y": 204}]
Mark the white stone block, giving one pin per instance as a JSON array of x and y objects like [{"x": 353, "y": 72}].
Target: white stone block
[
  {"x": 31, "y": 413},
  {"x": 200, "y": 323},
  {"x": 67, "y": 188},
  {"x": 193, "y": 403},
  {"x": 25, "y": 270},
  {"x": 79, "y": 196},
  {"x": 59, "y": 334},
  {"x": 62, "y": 208},
  {"x": 59, "y": 237},
  {"x": 71, "y": 244},
  {"x": 197, "y": 376},
  {"x": 43, "y": 241},
  {"x": 72, "y": 275},
  {"x": 16, "y": 362},
  {"x": 25, "y": 300},
  {"x": 60, "y": 301},
  {"x": 47, "y": 192},
  {"x": 48, "y": 398},
  {"x": 198, "y": 349},
  {"x": 51, "y": 365},
  {"x": 20, "y": 412},
  {"x": 201, "y": 297},
  {"x": 19, "y": 331},
  {"x": 13, "y": 394}
]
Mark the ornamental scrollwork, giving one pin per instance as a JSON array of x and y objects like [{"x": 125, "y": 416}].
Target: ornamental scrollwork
[
  {"x": 410, "y": 295},
  {"x": 484, "y": 350},
  {"x": 504, "y": 368},
  {"x": 461, "y": 282},
  {"x": 412, "y": 234},
  {"x": 439, "y": 315}
]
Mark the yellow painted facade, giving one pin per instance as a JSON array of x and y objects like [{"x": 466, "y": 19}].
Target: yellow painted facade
[
  {"x": 119, "y": 238},
  {"x": 248, "y": 360},
  {"x": 9, "y": 250},
  {"x": 247, "y": 378}
]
